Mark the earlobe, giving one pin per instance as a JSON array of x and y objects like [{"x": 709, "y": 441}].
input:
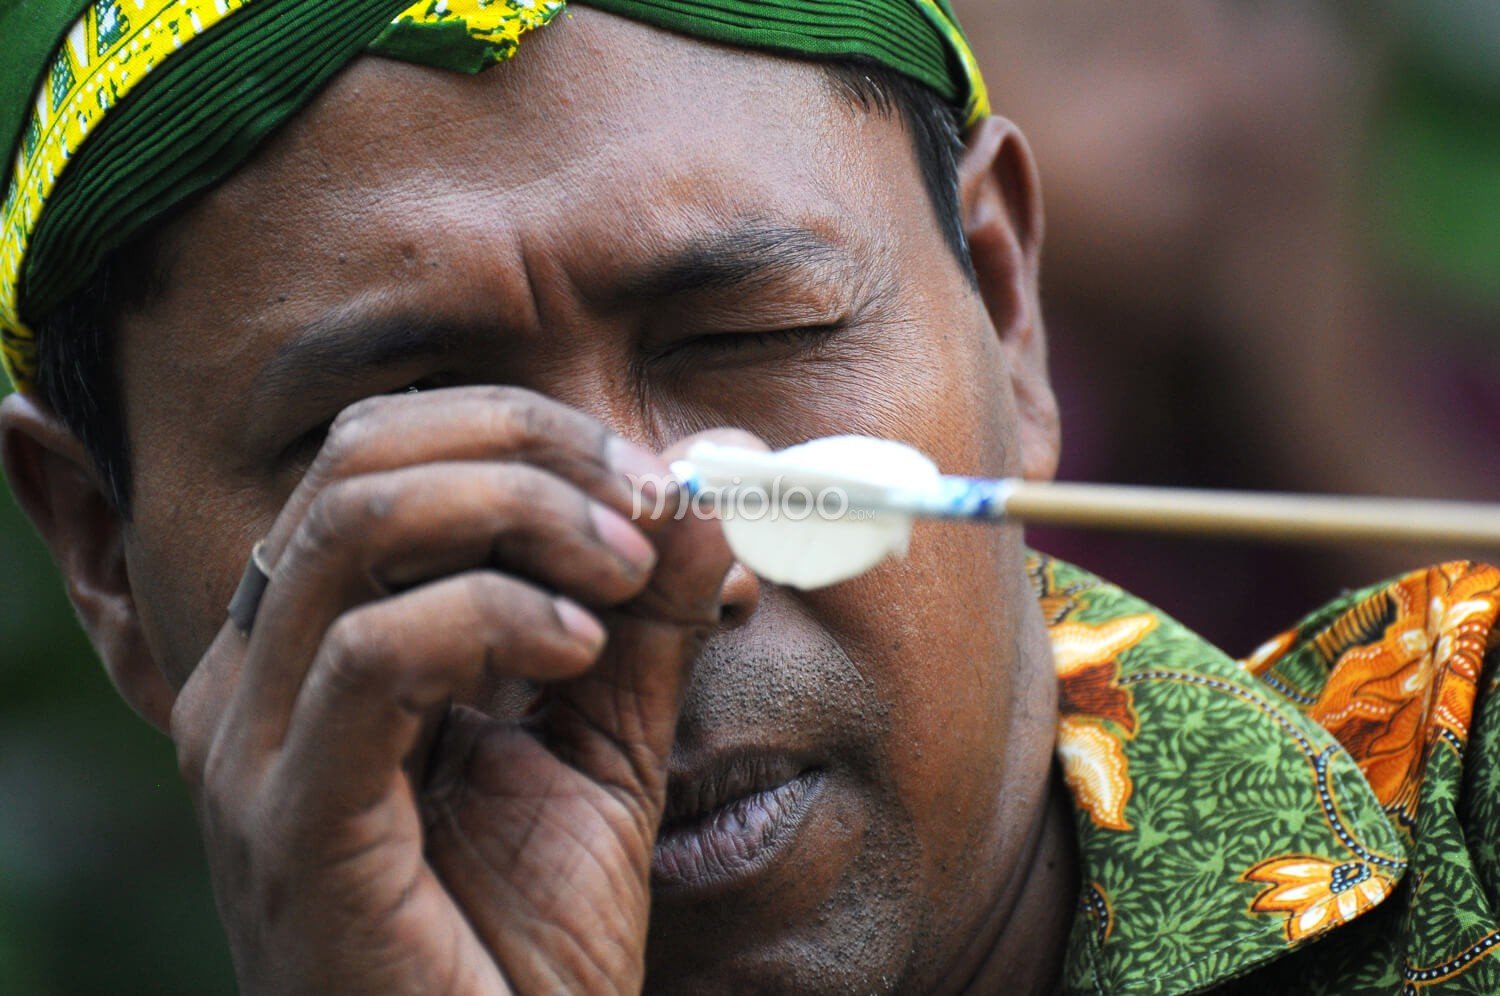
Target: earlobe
[
  {"x": 1001, "y": 199},
  {"x": 53, "y": 480}
]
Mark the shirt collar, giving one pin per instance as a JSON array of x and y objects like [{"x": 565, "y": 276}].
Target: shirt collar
[{"x": 1218, "y": 827}]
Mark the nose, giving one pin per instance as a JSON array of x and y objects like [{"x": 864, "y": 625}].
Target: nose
[{"x": 739, "y": 598}]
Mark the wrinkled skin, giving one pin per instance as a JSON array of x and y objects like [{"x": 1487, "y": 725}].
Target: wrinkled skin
[{"x": 439, "y": 762}]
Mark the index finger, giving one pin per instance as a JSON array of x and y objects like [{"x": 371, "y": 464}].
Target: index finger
[
  {"x": 471, "y": 423},
  {"x": 395, "y": 433}
]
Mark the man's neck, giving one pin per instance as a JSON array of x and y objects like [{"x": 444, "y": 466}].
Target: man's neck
[{"x": 1025, "y": 938}]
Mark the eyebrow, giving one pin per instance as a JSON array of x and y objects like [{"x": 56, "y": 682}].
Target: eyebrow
[
  {"x": 331, "y": 352},
  {"x": 744, "y": 256},
  {"x": 334, "y": 351}
]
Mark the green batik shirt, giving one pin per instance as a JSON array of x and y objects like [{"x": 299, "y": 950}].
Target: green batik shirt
[{"x": 1322, "y": 817}]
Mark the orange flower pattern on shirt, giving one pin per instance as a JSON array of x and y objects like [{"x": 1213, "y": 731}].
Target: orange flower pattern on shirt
[
  {"x": 1230, "y": 843},
  {"x": 1404, "y": 675},
  {"x": 1092, "y": 707},
  {"x": 1316, "y": 894}
]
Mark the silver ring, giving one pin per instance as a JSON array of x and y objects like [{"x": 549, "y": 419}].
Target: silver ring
[{"x": 246, "y": 601}]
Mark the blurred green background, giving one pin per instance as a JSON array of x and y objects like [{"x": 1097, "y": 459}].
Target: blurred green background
[{"x": 102, "y": 884}]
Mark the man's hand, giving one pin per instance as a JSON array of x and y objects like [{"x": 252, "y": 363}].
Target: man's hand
[{"x": 366, "y": 835}]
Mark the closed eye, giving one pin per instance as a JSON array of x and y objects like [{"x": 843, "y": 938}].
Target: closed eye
[{"x": 750, "y": 346}]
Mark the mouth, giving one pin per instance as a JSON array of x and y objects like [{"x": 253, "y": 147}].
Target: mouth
[{"x": 726, "y": 824}]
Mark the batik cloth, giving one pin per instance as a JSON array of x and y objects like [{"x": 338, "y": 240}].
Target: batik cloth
[
  {"x": 1322, "y": 817},
  {"x": 114, "y": 111}
]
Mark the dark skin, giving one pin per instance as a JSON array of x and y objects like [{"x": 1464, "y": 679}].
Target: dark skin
[{"x": 440, "y": 762}]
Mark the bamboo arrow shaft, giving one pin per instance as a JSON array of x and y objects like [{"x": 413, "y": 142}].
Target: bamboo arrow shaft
[
  {"x": 1288, "y": 517},
  {"x": 732, "y": 474}
]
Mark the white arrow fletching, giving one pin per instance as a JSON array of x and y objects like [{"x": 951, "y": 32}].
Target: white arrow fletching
[{"x": 787, "y": 515}]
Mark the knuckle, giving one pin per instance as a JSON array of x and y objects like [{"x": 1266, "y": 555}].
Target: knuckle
[
  {"x": 335, "y": 516},
  {"x": 221, "y": 797},
  {"x": 493, "y": 599},
  {"x": 533, "y": 427},
  {"x": 191, "y": 758},
  {"x": 523, "y": 487},
  {"x": 513, "y": 618},
  {"x": 216, "y": 809},
  {"x": 190, "y": 735},
  {"x": 217, "y": 770},
  {"x": 520, "y": 417},
  {"x": 347, "y": 438},
  {"x": 354, "y": 654}
]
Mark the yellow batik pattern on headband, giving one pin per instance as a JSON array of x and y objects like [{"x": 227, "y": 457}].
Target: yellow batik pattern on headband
[
  {"x": 493, "y": 27},
  {"x": 105, "y": 55},
  {"x": 112, "y": 47},
  {"x": 978, "y": 104}
]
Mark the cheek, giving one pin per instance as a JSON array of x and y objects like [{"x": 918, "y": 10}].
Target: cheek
[
  {"x": 938, "y": 633},
  {"x": 941, "y": 646},
  {"x": 181, "y": 597},
  {"x": 187, "y": 547},
  {"x": 944, "y": 386}
]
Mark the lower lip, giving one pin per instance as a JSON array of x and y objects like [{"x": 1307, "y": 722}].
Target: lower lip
[{"x": 734, "y": 842}]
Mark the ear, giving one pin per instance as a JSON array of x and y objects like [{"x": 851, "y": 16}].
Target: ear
[
  {"x": 1001, "y": 199},
  {"x": 53, "y": 479}
]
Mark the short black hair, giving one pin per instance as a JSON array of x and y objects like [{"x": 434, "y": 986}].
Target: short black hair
[
  {"x": 936, "y": 130},
  {"x": 76, "y": 372}
]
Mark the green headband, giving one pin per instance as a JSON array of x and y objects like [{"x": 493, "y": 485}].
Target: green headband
[{"x": 114, "y": 111}]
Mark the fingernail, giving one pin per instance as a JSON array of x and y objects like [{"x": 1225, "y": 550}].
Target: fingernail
[
  {"x": 580, "y": 625},
  {"x": 616, "y": 532}
]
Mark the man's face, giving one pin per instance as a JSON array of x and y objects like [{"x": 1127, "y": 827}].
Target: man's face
[{"x": 670, "y": 236}]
